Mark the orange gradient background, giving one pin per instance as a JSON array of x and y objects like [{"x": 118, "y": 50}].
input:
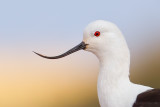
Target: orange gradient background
[{"x": 53, "y": 27}]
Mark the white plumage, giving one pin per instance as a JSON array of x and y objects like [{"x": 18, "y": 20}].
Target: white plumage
[
  {"x": 115, "y": 89},
  {"x": 114, "y": 86}
]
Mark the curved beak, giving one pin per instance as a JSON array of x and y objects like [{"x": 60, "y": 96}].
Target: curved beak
[{"x": 82, "y": 45}]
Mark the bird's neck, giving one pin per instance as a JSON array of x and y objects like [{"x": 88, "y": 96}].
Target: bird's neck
[
  {"x": 114, "y": 63},
  {"x": 115, "y": 67},
  {"x": 113, "y": 75}
]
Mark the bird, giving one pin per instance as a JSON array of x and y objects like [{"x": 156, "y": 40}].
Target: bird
[{"x": 105, "y": 40}]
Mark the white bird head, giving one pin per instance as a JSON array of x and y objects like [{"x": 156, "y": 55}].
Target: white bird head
[
  {"x": 101, "y": 38},
  {"x": 104, "y": 38}
]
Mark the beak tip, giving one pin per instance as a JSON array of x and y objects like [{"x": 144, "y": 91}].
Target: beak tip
[{"x": 34, "y": 52}]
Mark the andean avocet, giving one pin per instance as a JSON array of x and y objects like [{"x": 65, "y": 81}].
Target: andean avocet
[{"x": 115, "y": 89}]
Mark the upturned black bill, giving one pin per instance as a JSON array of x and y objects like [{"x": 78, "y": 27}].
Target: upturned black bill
[{"x": 82, "y": 45}]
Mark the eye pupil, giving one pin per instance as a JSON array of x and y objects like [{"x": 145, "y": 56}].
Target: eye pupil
[{"x": 97, "y": 33}]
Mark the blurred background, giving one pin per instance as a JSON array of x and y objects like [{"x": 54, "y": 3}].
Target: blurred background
[{"x": 52, "y": 27}]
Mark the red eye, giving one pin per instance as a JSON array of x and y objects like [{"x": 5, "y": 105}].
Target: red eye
[{"x": 97, "y": 33}]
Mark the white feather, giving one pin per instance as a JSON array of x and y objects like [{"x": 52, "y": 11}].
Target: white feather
[{"x": 114, "y": 86}]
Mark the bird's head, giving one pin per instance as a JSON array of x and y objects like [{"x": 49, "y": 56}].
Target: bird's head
[
  {"x": 99, "y": 37},
  {"x": 103, "y": 37}
]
